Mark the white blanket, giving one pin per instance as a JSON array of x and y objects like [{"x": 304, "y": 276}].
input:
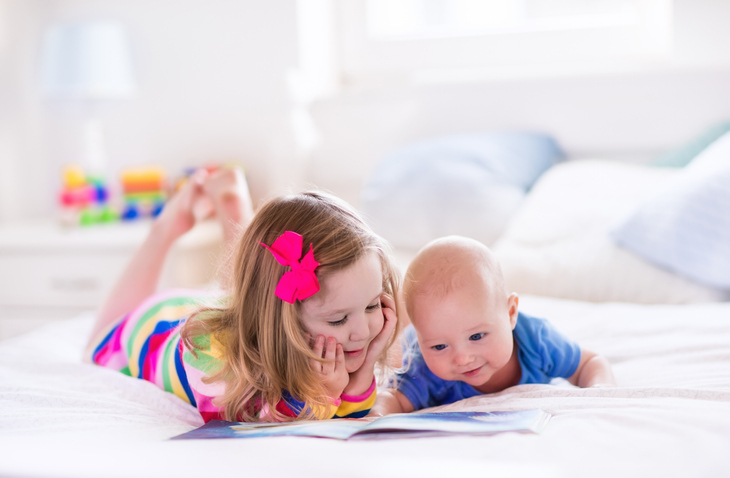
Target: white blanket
[{"x": 669, "y": 417}]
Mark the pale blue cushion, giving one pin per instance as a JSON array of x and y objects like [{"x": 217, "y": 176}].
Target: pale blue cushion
[
  {"x": 687, "y": 228},
  {"x": 468, "y": 184}
]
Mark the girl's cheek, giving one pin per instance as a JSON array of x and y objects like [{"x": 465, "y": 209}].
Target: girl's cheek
[{"x": 314, "y": 332}]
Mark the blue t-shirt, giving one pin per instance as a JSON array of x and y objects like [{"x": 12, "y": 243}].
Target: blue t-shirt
[{"x": 543, "y": 353}]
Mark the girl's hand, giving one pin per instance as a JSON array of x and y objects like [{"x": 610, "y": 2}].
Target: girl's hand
[
  {"x": 362, "y": 378},
  {"x": 332, "y": 372}
]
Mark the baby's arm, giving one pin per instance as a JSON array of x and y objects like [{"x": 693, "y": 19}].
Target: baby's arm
[
  {"x": 391, "y": 401},
  {"x": 592, "y": 370}
]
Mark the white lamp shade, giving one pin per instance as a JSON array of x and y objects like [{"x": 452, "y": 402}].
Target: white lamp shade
[{"x": 90, "y": 60}]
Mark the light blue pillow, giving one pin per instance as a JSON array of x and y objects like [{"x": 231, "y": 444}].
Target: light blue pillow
[
  {"x": 687, "y": 229},
  {"x": 468, "y": 184}
]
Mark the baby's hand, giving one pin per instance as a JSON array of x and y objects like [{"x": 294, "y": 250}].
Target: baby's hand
[
  {"x": 362, "y": 378},
  {"x": 332, "y": 372}
]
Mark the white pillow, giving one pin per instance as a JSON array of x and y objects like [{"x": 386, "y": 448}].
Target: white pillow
[
  {"x": 686, "y": 229},
  {"x": 558, "y": 243}
]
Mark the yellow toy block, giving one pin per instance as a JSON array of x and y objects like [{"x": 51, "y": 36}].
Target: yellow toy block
[{"x": 73, "y": 177}]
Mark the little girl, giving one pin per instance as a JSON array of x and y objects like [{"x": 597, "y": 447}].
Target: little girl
[{"x": 309, "y": 312}]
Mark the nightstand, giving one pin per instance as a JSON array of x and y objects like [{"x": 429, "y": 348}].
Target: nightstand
[{"x": 51, "y": 273}]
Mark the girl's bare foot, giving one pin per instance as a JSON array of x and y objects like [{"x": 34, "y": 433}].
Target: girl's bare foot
[
  {"x": 228, "y": 190},
  {"x": 182, "y": 211}
]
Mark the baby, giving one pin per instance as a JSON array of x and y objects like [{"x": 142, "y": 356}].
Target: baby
[{"x": 467, "y": 337}]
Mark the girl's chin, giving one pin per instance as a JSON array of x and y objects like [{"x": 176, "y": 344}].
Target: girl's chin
[{"x": 353, "y": 364}]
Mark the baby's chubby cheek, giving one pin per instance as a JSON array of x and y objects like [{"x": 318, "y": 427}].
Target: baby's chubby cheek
[{"x": 437, "y": 368}]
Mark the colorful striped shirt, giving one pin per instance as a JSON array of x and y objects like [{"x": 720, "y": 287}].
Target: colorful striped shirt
[{"x": 146, "y": 344}]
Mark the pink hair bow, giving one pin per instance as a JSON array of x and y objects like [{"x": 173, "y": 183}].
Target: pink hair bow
[{"x": 300, "y": 282}]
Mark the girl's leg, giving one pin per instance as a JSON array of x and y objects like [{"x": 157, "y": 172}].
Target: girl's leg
[
  {"x": 140, "y": 277},
  {"x": 228, "y": 191}
]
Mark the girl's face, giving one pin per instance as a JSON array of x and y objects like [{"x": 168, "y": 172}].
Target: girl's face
[{"x": 348, "y": 308}]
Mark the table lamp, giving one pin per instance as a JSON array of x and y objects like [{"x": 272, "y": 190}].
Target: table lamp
[{"x": 88, "y": 61}]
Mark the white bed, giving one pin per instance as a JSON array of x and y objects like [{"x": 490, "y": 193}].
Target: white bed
[{"x": 669, "y": 416}]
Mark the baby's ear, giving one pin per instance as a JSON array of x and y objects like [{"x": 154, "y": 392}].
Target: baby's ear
[{"x": 512, "y": 307}]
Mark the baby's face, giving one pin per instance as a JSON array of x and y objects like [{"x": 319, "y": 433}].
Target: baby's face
[{"x": 466, "y": 335}]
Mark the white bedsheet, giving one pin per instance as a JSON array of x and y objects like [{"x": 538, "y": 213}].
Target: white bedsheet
[{"x": 669, "y": 417}]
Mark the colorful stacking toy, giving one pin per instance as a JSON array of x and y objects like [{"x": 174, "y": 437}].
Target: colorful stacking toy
[
  {"x": 84, "y": 200},
  {"x": 143, "y": 191}
]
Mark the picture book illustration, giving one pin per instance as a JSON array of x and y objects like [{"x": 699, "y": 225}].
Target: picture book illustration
[{"x": 406, "y": 425}]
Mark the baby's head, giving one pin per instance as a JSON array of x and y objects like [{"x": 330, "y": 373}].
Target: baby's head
[{"x": 456, "y": 299}]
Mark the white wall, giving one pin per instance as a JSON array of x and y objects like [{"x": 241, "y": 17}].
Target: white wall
[
  {"x": 22, "y": 176},
  {"x": 212, "y": 86}
]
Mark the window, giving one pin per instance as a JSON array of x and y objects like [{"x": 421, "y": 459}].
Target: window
[{"x": 395, "y": 38}]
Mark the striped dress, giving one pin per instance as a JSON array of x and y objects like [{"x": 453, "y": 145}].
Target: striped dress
[{"x": 146, "y": 344}]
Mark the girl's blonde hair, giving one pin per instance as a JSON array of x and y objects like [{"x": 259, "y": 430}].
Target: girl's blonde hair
[{"x": 264, "y": 342}]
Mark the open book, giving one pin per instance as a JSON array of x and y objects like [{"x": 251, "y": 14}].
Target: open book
[{"x": 405, "y": 425}]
